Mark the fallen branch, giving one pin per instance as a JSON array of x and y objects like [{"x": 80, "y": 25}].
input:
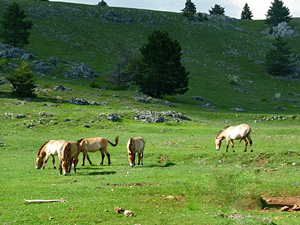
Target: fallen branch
[{"x": 44, "y": 201}]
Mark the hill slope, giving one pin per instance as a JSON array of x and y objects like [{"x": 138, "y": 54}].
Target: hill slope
[{"x": 224, "y": 56}]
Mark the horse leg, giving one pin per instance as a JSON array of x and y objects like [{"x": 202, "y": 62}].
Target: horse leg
[
  {"x": 142, "y": 157},
  {"x": 88, "y": 158},
  {"x": 47, "y": 157},
  {"x": 70, "y": 166},
  {"x": 83, "y": 159},
  {"x": 227, "y": 144},
  {"x": 232, "y": 145},
  {"x": 108, "y": 157},
  {"x": 102, "y": 156},
  {"x": 60, "y": 167},
  {"x": 53, "y": 160},
  {"x": 246, "y": 143},
  {"x": 139, "y": 161},
  {"x": 250, "y": 140}
]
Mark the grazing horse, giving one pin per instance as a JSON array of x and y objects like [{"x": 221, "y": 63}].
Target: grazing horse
[
  {"x": 69, "y": 156},
  {"x": 86, "y": 145},
  {"x": 230, "y": 133},
  {"x": 52, "y": 147},
  {"x": 135, "y": 145}
]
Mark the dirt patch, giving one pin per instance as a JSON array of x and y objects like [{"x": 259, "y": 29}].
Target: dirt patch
[{"x": 292, "y": 202}]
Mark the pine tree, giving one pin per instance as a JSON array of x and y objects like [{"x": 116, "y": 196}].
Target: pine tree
[
  {"x": 23, "y": 81},
  {"x": 278, "y": 13},
  {"x": 15, "y": 27},
  {"x": 277, "y": 60},
  {"x": 102, "y": 3},
  {"x": 189, "y": 10},
  {"x": 160, "y": 71},
  {"x": 246, "y": 13},
  {"x": 217, "y": 10}
]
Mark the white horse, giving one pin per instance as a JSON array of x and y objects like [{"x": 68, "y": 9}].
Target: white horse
[
  {"x": 230, "y": 133},
  {"x": 52, "y": 147}
]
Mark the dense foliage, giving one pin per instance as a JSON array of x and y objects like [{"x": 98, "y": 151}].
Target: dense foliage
[
  {"x": 278, "y": 13},
  {"x": 189, "y": 9},
  {"x": 278, "y": 58},
  {"x": 217, "y": 10},
  {"x": 160, "y": 71},
  {"x": 246, "y": 13},
  {"x": 15, "y": 27},
  {"x": 23, "y": 81}
]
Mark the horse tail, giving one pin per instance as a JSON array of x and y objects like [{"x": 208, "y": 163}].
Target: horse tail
[
  {"x": 116, "y": 140},
  {"x": 79, "y": 141},
  {"x": 42, "y": 147}
]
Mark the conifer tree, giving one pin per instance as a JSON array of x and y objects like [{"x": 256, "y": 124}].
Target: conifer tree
[
  {"x": 189, "y": 10},
  {"x": 217, "y": 10},
  {"x": 15, "y": 27},
  {"x": 23, "y": 81},
  {"x": 246, "y": 13},
  {"x": 277, "y": 13},
  {"x": 277, "y": 59},
  {"x": 160, "y": 71}
]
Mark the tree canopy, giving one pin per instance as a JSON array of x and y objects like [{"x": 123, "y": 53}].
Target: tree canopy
[
  {"x": 217, "y": 10},
  {"x": 277, "y": 59},
  {"x": 189, "y": 10},
  {"x": 277, "y": 13},
  {"x": 160, "y": 71},
  {"x": 15, "y": 27},
  {"x": 246, "y": 13}
]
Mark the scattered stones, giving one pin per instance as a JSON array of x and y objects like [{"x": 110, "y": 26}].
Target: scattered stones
[
  {"x": 198, "y": 98},
  {"x": 78, "y": 101},
  {"x": 110, "y": 117},
  {"x": 149, "y": 116},
  {"x": 238, "y": 109},
  {"x": 282, "y": 30},
  {"x": 2, "y": 144},
  {"x": 7, "y": 51},
  {"x": 176, "y": 115},
  {"x": 127, "y": 213},
  {"x": 81, "y": 70},
  {"x": 11, "y": 115},
  {"x": 61, "y": 88}
]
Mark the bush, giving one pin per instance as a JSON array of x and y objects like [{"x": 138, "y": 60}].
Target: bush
[{"x": 23, "y": 81}]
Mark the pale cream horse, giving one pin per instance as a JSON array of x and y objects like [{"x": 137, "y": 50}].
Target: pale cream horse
[
  {"x": 52, "y": 147},
  {"x": 86, "y": 145},
  {"x": 135, "y": 145},
  {"x": 230, "y": 133}
]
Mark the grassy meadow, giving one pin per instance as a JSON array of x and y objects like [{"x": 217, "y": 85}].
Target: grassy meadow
[{"x": 184, "y": 180}]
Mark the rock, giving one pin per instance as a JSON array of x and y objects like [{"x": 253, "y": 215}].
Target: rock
[
  {"x": 81, "y": 70},
  {"x": 78, "y": 101},
  {"x": 7, "y": 51},
  {"x": 61, "y": 88},
  {"x": 128, "y": 213},
  {"x": 296, "y": 207},
  {"x": 28, "y": 56},
  {"x": 119, "y": 210},
  {"x": 284, "y": 208}
]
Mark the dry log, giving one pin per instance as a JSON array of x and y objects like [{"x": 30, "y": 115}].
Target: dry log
[{"x": 44, "y": 201}]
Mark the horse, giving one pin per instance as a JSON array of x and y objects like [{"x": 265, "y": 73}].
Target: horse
[
  {"x": 135, "y": 145},
  {"x": 86, "y": 145},
  {"x": 230, "y": 133},
  {"x": 52, "y": 147},
  {"x": 69, "y": 155}
]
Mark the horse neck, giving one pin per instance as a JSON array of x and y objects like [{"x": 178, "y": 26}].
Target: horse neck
[
  {"x": 42, "y": 153},
  {"x": 221, "y": 135}
]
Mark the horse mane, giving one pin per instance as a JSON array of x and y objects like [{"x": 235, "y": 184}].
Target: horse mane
[
  {"x": 67, "y": 151},
  {"x": 222, "y": 131},
  {"x": 130, "y": 145},
  {"x": 42, "y": 147},
  {"x": 79, "y": 141}
]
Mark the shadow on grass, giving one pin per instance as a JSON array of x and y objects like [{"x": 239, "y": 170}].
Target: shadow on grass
[
  {"x": 166, "y": 165},
  {"x": 102, "y": 173}
]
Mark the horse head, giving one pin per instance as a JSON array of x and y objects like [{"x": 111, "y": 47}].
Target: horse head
[
  {"x": 218, "y": 142},
  {"x": 39, "y": 162},
  {"x": 66, "y": 158}
]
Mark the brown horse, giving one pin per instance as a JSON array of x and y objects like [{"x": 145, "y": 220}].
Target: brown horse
[
  {"x": 69, "y": 155},
  {"x": 52, "y": 147},
  {"x": 230, "y": 133},
  {"x": 135, "y": 145},
  {"x": 86, "y": 145}
]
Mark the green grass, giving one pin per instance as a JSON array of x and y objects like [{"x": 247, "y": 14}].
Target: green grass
[{"x": 180, "y": 158}]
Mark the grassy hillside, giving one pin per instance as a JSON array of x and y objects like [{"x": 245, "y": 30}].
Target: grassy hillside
[
  {"x": 215, "y": 52},
  {"x": 184, "y": 180}
]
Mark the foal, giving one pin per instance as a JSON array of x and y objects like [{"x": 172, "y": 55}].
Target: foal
[
  {"x": 135, "y": 145},
  {"x": 230, "y": 133},
  {"x": 69, "y": 155}
]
